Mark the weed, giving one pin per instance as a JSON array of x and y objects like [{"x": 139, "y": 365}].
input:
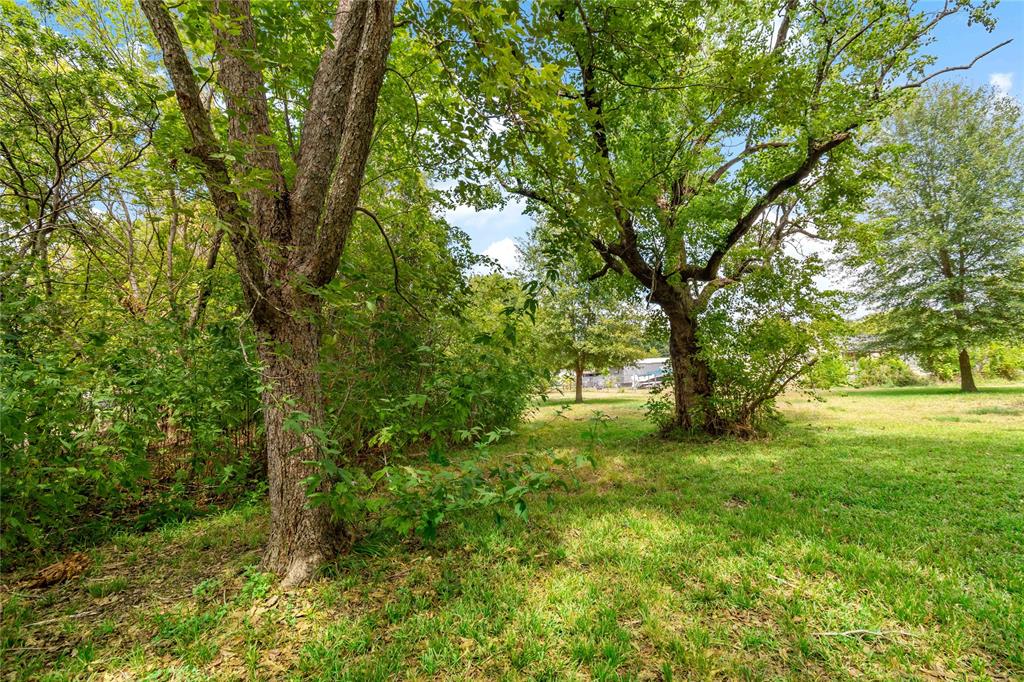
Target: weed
[{"x": 106, "y": 587}]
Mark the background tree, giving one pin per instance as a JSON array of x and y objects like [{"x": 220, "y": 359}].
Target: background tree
[
  {"x": 581, "y": 330},
  {"x": 72, "y": 120},
  {"x": 941, "y": 253},
  {"x": 583, "y": 324},
  {"x": 686, "y": 143}
]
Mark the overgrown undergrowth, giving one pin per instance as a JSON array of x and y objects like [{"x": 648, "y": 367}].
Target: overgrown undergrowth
[{"x": 878, "y": 535}]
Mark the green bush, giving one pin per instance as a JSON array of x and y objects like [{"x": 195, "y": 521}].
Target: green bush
[
  {"x": 422, "y": 380},
  {"x": 1002, "y": 360},
  {"x": 132, "y": 419},
  {"x": 762, "y": 337},
  {"x": 829, "y": 371},
  {"x": 995, "y": 360},
  {"x": 85, "y": 419},
  {"x": 943, "y": 365},
  {"x": 417, "y": 500},
  {"x": 886, "y": 370}
]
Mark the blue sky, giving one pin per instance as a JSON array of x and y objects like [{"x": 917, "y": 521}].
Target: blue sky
[{"x": 494, "y": 232}]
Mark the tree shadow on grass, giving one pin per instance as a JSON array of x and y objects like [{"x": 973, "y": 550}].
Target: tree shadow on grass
[
  {"x": 871, "y": 531},
  {"x": 860, "y": 514},
  {"x": 662, "y": 547},
  {"x": 896, "y": 392}
]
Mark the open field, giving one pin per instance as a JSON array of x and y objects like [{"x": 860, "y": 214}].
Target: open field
[{"x": 878, "y": 535}]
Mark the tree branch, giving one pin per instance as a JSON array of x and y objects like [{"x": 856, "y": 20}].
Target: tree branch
[
  {"x": 948, "y": 69},
  {"x": 527, "y": 193},
  {"x": 354, "y": 144},
  {"x": 394, "y": 260},
  {"x": 783, "y": 32},
  {"x": 206, "y": 287},
  {"x": 609, "y": 266},
  {"x": 324, "y": 122},
  {"x": 751, "y": 149},
  {"x": 743, "y": 225},
  {"x": 249, "y": 120},
  {"x": 206, "y": 148}
]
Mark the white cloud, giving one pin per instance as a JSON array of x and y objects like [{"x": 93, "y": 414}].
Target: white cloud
[
  {"x": 505, "y": 252},
  {"x": 1003, "y": 82},
  {"x": 509, "y": 218}
]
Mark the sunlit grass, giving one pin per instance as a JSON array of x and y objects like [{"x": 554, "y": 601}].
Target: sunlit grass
[{"x": 899, "y": 512}]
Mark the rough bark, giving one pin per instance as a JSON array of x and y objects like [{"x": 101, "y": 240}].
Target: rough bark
[
  {"x": 284, "y": 241},
  {"x": 301, "y": 538},
  {"x": 579, "y": 381},
  {"x": 967, "y": 384},
  {"x": 691, "y": 377}
]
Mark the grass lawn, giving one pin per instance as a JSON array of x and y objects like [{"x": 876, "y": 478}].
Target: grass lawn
[{"x": 879, "y": 534}]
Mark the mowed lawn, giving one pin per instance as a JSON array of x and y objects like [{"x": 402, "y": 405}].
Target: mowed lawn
[{"x": 879, "y": 534}]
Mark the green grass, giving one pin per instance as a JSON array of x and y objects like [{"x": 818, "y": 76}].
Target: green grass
[{"x": 899, "y": 512}]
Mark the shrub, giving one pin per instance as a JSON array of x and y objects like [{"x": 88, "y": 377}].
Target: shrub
[
  {"x": 658, "y": 409},
  {"x": 393, "y": 379},
  {"x": 416, "y": 500},
  {"x": 886, "y": 370},
  {"x": 943, "y": 365},
  {"x": 1002, "y": 360},
  {"x": 829, "y": 371},
  {"x": 761, "y": 338},
  {"x": 993, "y": 360},
  {"x": 84, "y": 422}
]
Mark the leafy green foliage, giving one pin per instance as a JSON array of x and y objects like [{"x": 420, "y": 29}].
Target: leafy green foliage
[
  {"x": 1002, "y": 360},
  {"x": 393, "y": 378},
  {"x": 406, "y": 499},
  {"x": 762, "y": 336},
  {"x": 133, "y": 396},
  {"x": 942, "y": 250},
  {"x": 659, "y": 406},
  {"x": 885, "y": 370},
  {"x": 997, "y": 360},
  {"x": 830, "y": 370},
  {"x": 86, "y": 421}
]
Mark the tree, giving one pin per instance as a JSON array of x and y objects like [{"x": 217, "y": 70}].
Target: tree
[
  {"x": 71, "y": 120},
  {"x": 287, "y": 230},
  {"x": 581, "y": 329},
  {"x": 687, "y": 144},
  {"x": 941, "y": 253},
  {"x": 582, "y": 324}
]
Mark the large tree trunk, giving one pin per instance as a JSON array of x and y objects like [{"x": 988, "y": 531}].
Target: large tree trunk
[
  {"x": 579, "y": 381},
  {"x": 966, "y": 373},
  {"x": 691, "y": 377},
  {"x": 301, "y": 538},
  {"x": 286, "y": 238}
]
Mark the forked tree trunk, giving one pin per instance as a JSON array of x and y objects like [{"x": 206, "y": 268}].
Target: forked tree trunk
[
  {"x": 966, "y": 373},
  {"x": 579, "y": 381},
  {"x": 286, "y": 239},
  {"x": 691, "y": 377}
]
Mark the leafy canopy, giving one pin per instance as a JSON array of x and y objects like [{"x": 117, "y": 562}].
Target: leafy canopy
[{"x": 941, "y": 249}]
